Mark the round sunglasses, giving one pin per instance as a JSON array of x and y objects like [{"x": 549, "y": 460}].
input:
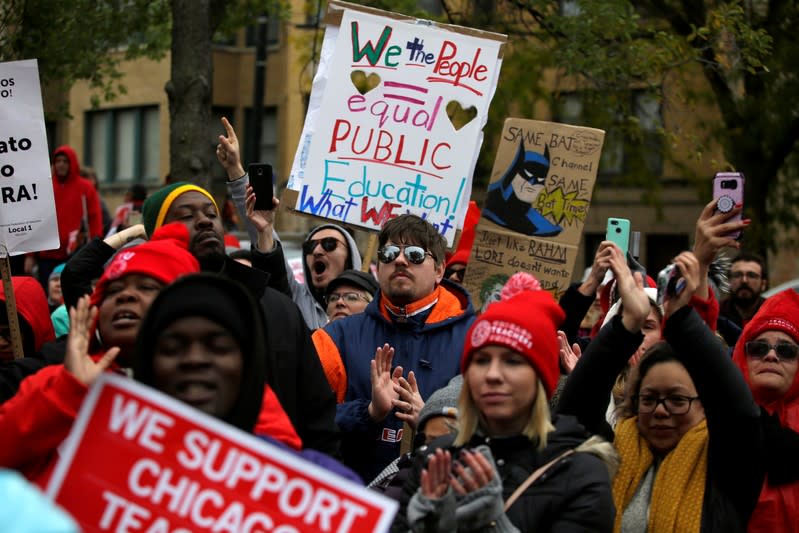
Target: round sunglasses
[{"x": 414, "y": 254}]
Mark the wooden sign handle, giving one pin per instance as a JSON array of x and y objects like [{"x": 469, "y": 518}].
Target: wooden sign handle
[{"x": 11, "y": 303}]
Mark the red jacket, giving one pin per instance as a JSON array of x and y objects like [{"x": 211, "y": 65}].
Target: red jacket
[
  {"x": 33, "y": 309},
  {"x": 39, "y": 417},
  {"x": 69, "y": 205}
]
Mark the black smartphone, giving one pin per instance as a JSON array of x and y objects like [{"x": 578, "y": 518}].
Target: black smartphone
[{"x": 261, "y": 182}]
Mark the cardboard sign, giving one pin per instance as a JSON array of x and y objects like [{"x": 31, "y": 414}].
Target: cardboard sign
[
  {"x": 27, "y": 207},
  {"x": 535, "y": 209},
  {"x": 378, "y": 139},
  {"x": 138, "y": 460}
]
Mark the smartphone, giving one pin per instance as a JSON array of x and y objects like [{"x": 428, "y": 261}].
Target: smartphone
[
  {"x": 261, "y": 182},
  {"x": 728, "y": 191},
  {"x": 670, "y": 283},
  {"x": 618, "y": 232}
]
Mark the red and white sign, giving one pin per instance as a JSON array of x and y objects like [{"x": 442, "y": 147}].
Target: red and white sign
[{"x": 138, "y": 460}]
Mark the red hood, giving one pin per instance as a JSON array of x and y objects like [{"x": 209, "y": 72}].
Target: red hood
[
  {"x": 32, "y": 307},
  {"x": 74, "y": 167}
]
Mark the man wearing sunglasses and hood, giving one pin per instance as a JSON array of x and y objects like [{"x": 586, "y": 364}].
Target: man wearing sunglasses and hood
[
  {"x": 418, "y": 323},
  {"x": 328, "y": 249}
]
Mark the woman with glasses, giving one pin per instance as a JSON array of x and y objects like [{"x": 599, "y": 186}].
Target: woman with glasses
[
  {"x": 689, "y": 431},
  {"x": 350, "y": 293},
  {"x": 767, "y": 354}
]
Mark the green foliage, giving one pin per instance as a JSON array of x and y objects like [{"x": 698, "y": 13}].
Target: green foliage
[{"x": 83, "y": 39}]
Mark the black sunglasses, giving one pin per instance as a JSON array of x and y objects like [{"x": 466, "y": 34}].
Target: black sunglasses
[
  {"x": 414, "y": 254},
  {"x": 328, "y": 245},
  {"x": 785, "y": 350}
]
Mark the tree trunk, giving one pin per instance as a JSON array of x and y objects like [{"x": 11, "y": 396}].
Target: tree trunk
[{"x": 190, "y": 93}]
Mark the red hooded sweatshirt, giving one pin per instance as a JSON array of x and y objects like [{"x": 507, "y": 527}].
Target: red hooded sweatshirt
[
  {"x": 69, "y": 204},
  {"x": 33, "y": 310}
]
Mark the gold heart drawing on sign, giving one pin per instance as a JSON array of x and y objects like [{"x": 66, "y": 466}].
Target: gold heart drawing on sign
[
  {"x": 460, "y": 116},
  {"x": 364, "y": 83}
]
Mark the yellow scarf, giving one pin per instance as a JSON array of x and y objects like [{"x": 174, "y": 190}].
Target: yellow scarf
[{"x": 679, "y": 487}]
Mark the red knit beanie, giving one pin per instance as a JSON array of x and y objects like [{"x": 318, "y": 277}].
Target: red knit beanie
[
  {"x": 526, "y": 321},
  {"x": 165, "y": 257}
]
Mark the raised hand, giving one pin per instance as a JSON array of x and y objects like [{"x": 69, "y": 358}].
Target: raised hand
[
  {"x": 262, "y": 221},
  {"x": 228, "y": 152},
  {"x": 599, "y": 268},
  {"x": 435, "y": 479},
  {"x": 689, "y": 267},
  {"x": 409, "y": 402},
  {"x": 569, "y": 355},
  {"x": 383, "y": 380},
  {"x": 76, "y": 358},
  {"x": 711, "y": 232},
  {"x": 478, "y": 474},
  {"x": 635, "y": 302}
]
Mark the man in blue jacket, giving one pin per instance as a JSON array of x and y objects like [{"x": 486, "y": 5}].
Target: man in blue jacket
[{"x": 402, "y": 348}]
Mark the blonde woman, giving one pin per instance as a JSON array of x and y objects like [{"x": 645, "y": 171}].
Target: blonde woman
[{"x": 511, "y": 467}]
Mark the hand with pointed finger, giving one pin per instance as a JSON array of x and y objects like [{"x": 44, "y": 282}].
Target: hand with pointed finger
[
  {"x": 76, "y": 359},
  {"x": 228, "y": 152}
]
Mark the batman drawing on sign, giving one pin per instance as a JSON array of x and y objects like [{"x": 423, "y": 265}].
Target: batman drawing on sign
[{"x": 511, "y": 199}]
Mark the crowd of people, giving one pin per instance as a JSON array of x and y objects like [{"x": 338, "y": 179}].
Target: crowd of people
[{"x": 666, "y": 411}]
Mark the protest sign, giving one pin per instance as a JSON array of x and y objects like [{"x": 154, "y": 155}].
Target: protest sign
[
  {"x": 395, "y": 121},
  {"x": 535, "y": 209},
  {"x": 27, "y": 207},
  {"x": 138, "y": 460}
]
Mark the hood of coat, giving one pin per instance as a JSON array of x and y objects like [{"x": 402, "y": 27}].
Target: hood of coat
[
  {"x": 32, "y": 308},
  {"x": 74, "y": 166},
  {"x": 353, "y": 257}
]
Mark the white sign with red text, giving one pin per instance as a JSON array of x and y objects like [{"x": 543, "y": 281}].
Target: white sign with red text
[
  {"x": 138, "y": 460},
  {"x": 27, "y": 205}
]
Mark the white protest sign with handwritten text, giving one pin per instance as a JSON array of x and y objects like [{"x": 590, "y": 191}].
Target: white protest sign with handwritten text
[
  {"x": 380, "y": 140},
  {"x": 27, "y": 207}
]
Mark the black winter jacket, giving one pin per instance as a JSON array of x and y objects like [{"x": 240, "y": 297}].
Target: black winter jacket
[
  {"x": 294, "y": 371},
  {"x": 573, "y": 495},
  {"x": 736, "y": 451}
]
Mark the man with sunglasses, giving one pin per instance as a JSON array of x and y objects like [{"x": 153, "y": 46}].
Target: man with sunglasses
[
  {"x": 328, "y": 250},
  {"x": 419, "y": 320},
  {"x": 747, "y": 282}
]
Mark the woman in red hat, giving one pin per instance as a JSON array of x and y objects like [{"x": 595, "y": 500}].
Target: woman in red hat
[
  {"x": 511, "y": 465},
  {"x": 767, "y": 354},
  {"x": 688, "y": 434}
]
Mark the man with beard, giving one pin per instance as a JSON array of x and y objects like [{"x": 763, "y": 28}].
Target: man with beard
[
  {"x": 294, "y": 371},
  {"x": 747, "y": 281},
  {"x": 418, "y": 322}
]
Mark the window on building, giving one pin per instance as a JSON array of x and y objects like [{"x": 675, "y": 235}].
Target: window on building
[
  {"x": 124, "y": 145},
  {"x": 273, "y": 29},
  {"x": 570, "y": 8},
  {"x": 268, "y": 150},
  {"x": 661, "y": 248},
  {"x": 623, "y": 152}
]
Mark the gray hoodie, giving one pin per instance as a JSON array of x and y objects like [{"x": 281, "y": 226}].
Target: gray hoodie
[{"x": 310, "y": 301}]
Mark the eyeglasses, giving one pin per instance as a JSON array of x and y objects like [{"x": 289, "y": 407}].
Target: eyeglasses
[
  {"x": 414, "y": 254},
  {"x": 785, "y": 350},
  {"x": 328, "y": 245},
  {"x": 674, "y": 405},
  {"x": 349, "y": 297},
  {"x": 748, "y": 275}
]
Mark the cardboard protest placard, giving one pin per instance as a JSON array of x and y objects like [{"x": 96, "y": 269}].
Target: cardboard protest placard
[
  {"x": 27, "y": 206},
  {"x": 138, "y": 460},
  {"x": 378, "y": 139},
  {"x": 535, "y": 209}
]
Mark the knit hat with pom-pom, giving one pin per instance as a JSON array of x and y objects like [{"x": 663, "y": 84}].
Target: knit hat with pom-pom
[{"x": 526, "y": 321}]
